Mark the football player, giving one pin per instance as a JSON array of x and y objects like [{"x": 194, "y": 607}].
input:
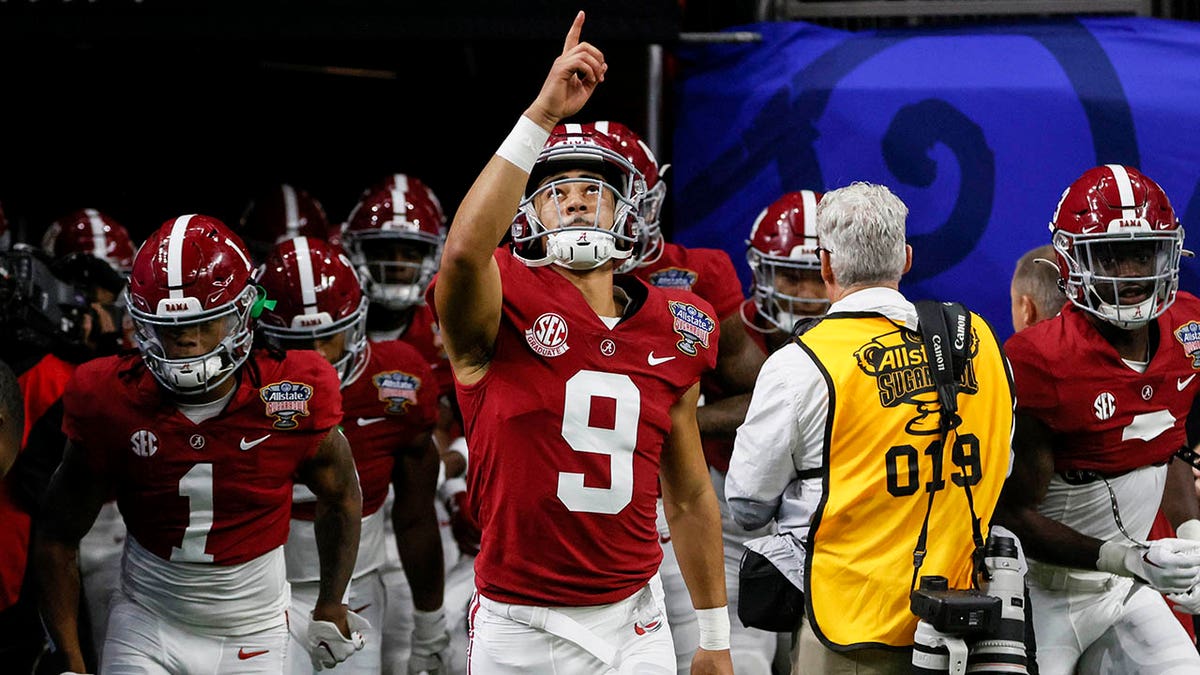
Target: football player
[
  {"x": 201, "y": 439},
  {"x": 708, "y": 273},
  {"x": 394, "y": 237},
  {"x": 1103, "y": 391},
  {"x": 578, "y": 393},
  {"x": 389, "y": 399},
  {"x": 281, "y": 213}
]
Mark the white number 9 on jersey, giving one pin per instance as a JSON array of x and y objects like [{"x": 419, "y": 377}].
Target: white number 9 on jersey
[{"x": 618, "y": 442}]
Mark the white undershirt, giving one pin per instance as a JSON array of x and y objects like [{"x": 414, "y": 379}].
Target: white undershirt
[
  {"x": 202, "y": 412},
  {"x": 622, "y": 301}
]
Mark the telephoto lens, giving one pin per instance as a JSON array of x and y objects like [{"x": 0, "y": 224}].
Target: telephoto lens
[
  {"x": 934, "y": 651},
  {"x": 1002, "y": 652}
]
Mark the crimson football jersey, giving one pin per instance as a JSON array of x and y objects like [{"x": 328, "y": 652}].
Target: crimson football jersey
[
  {"x": 215, "y": 492},
  {"x": 566, "y": 429},
  {"x": 1105, "y": 416},
  {"x": 423, "y": 334},
  {"x": 393, "y": 400},
  {"x": 709, "y": 273}
]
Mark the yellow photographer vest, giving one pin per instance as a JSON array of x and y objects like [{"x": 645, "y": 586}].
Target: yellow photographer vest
[{"x": 883, "y": 455}]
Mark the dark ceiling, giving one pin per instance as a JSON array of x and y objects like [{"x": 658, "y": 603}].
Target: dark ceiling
[{"x": 153, "y": 109}]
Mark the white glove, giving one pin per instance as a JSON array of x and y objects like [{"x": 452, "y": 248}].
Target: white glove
[
  {"x": 328, "y": 647},
  {"x": 1168, "y": 565},
  {"x": 430, "y": 643},
  {"x": 1188, "y": 603}
]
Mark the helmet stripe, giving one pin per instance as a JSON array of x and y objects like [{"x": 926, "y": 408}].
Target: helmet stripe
[
  {"x": 574, "y": 128},
  {"x": 1124, "y": 190},
  {"x": 175, "y": 256},
  {"x": 98, "y": 240},
  {"x": 291, "y": 211},
  {"x": 809, "y": 200},
  {"x": 308, "y": 291},
  {"x": 602, "y": 127},
  {"x": 400, "y": 197}
]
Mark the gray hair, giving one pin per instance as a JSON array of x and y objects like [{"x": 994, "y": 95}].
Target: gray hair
[
  {"x": 1039, "y": 280},
  {"x": 862, "y": 227}
]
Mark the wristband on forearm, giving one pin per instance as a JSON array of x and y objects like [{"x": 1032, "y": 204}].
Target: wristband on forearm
[
  {"x": 714, "y": 628},
  {"x": 524, "y": 144}
]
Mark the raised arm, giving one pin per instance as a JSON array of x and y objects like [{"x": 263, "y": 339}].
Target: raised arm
[
  {"x": 68, "y": 511},
  {"x": 468, "y": 293},
  {"x": 695, "y": 520}
]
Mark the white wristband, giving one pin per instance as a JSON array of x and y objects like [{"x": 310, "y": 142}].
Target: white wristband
[
  {"x": 714, "y": 628},
  {"x": 459, "y": 445},
  {"x": 524, "y": 144},
  {"x": 441, "y": 479}
]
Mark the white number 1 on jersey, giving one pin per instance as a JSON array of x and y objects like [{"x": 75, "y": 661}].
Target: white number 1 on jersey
[
  {"x": 197, "y": 486},
  {"x": 618, "y": 442}
]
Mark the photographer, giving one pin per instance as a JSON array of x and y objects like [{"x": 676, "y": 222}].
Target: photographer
[
  {"x": 54, "y": 315},
  {"x": 845, "y": 448}
]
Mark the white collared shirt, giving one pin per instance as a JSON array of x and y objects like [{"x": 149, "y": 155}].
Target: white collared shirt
[{"x": 784, "y": 430}]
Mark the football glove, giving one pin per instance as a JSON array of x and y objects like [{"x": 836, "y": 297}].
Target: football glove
[
  {"x": 328, "y": 647},
  {"x": 1167, "y": 565}
]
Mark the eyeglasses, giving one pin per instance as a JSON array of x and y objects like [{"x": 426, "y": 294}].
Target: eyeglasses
[{"x": 822, "y": 248}]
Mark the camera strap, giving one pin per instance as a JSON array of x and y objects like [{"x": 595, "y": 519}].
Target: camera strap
[{"x": 947, "y": 361}]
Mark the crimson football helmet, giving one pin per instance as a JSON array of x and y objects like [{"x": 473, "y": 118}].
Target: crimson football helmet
[
  {"x": 317, "y": 297},
  {"x": 192, "y": 290},
  {"x": 583, "y": 242},
  {"x": 650, "y": 240},
  {"x": 394, "y": 237},
  {"x": 1119, "y": 243},
  {"x": 94, "y": 233},
  {"x": 783, "y": 241},
  {"x": 282, "y": 213}
]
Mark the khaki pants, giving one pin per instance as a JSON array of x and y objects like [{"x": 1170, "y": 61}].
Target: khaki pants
[{"x": 810, "y": 657}]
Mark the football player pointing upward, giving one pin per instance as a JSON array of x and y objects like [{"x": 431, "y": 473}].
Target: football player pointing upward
[
  {"x": 200, "y": 439},
  {"x": 578, "y": 394}
]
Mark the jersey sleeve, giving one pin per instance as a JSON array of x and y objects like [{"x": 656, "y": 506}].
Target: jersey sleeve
[
  {"x": 1035, "y": 389},
  {"x": 82, "y": 421}
]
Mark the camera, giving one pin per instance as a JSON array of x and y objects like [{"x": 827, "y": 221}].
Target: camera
[
  {"x": 973, "y": 631},
  {"x": 969, "y": 612}
]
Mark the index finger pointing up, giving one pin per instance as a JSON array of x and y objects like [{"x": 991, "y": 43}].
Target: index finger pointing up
[{"x": 573, "y": 34}]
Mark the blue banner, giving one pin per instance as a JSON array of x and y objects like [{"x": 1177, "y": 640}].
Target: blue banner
[{"x": 978, "y": 129}]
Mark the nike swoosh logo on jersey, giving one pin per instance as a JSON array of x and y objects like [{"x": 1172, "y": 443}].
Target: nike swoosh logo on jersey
[
  {"x": 1183, "y": 382},
  {"x": 243, "y": 654},
  {"x": 654, "y": 361},
  {"x": 366, "y": 421},
  {"x": 246, "y": 445}
]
